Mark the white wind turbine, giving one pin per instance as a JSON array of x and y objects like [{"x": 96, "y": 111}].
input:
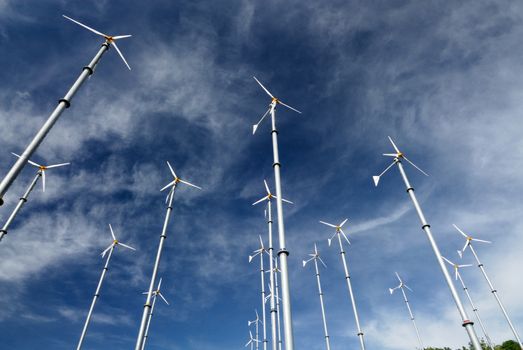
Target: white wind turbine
[
  {"x": 63, "y": 103},
  {"x": 283, "y": 253},
  {"x": 39, "y": 174},
  {"x": 315, "y": 257},
  {"x": 468, "y": 244},
  {"x": 147, "y": 306},
  {"x": 339, "y": 232},
  {"x": 260, "y": 252},
  {"x": 109, "y": 252},
  {"x": 156, "y": 293},
  {"x": 465, "y": 289},
  {"x": 273, "y": 303},
  {"x": 398, "y": 157},
  {"x": 274, "y": 292},
  {"x": 252, "y": 341},
  {"x": 402, "y": 286},
  {"x": 256, "y": 322}
]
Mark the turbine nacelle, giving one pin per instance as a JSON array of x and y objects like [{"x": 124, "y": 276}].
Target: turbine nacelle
[
  {"x": 42, "y": 168},
  {"x": 339, "y": 230}
]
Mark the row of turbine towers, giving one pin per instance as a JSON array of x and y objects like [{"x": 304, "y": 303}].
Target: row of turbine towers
[{"x": 280, "y": 263}]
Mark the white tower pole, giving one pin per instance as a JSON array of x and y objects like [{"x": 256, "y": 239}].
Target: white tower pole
[
  {"x": 95, "y": 298},
  {"x": 412, "y": 317},
  {"x": 351, "y": 294},
  {"x": 274, "y": 311},
  {"x": 149, "y": 321},
  {"x": 262, "y": 276},
  {"x": 277, "y": 290},
  {"x": 283, "y": 252},
  {"x": 19, "y": 206},
  {"x": 147, "y": 306},
  {"x": 468, "y": 324},
  {"x": 495, "y": 293}
]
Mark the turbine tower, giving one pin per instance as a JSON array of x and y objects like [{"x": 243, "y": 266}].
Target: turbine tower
[
  {"x": 260, "y": 252},
  {"x": 315, "y": 257},
  {"x": 283, "y": 252},
  {"x": 256, "y": 321},
  {"x": 273, "y": 303},
  {"x": 398, "y": 157},
  {"x": 147, "y": 306},
  {"x": 474, "y": 308},
  {"x": 63, "y": 103},
  {"x": 402, "y": 286},
  {"x": 39, "y": 174},
  {"x": 156, "y": 293},
  {"x": 109, "y": 251},
  {"x": 339, "y": 232},
  {"x": 252, "y": 341},
  {"x": 468, "y": 244}
]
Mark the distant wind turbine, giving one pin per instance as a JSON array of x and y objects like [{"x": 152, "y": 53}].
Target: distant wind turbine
[
  {"x": 157, "y": 293},
  {"x": 398, "y": 157},
  {"x": 252, "y": 341},
  {"x": 63, "y": 103},
  {"x": 260, "y": 252},
  {"x": 256, "y": 322}
]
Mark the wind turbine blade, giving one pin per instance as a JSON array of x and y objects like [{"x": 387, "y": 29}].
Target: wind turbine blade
[
  {"x": 289, "y": 107},
  {"x": 480, "y": 240},
  {"x": 165, "y": 300},
  {"x": 168, "y": 185},
  {"x": 399, "y": 278},
  {"x": 190, "y": 184},
  {"x": 120, "y": 53},
  {"x": 466, "y": 265},
  {"x": 29, "y": 161},
  {"x": 408, "y": 288},
  {"x": 344, "y": 236},
  {"x": 321, "y": 260},
  {"x": 465, "y": 246},
  {"x": 415, "y": 166},
  {"x": 343, "y": 223},
  {"x": 263, "y": 87},
  {"x": 112, "y": 232},
  {"x": 106, "y": 250},
  {"x": 43, "y": 180},
  {"x": 126, "y": 246},
  {"x": 376, "y": 180},
  {"x": 172, "y": 170},
  {"x": 86, "y": 27},
  {"x": 326, "y": 223},
  {"x": 159, "y": 284},
  {"x": 255, "y": 127},
  {"x": 460, "y": 253},
  {"x": 286, "y": 201},
  {"x": 394, "y": 145},
  {"x": 266, "y": 187},
  {"x": 260, "y": 200},
  {"x": 390, "y": 154},
  {"x": 118, "y": 37},
  {"x": 460, "y": 231},
  {"x": 261, "y": 243},
  {"x": 448, "y": 261},
  {"x": 56, "y": 165},
  {"x": 391, "y": 290}
]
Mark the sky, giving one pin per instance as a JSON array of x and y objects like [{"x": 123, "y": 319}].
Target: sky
[{"x": 441, "y": 78}]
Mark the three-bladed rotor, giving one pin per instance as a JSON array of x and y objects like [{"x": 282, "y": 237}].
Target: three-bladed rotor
[
  {"x": 157, "y": 292},
  {"x": 468, "y": 240},
  {"x": 339, "y": 230},
  {"x": 42, "y": 168},
  {"x": 456, "y": 266},
  {"x": 114, "y": 243},
  {"x": 252, "y": 340},
  {"x": 401, "y": 285},
  {"x": 314, "y": 256},
  {"x": 176, "y": 180},
  {"x": 270, "y": 196}
]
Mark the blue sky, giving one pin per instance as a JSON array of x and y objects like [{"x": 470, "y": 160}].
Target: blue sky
[{"x": 442, "y": 79}]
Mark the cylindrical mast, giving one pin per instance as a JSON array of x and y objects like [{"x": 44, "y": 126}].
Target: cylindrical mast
[
  {"x": 262, "y": 276},
  {"x": 19, "y": 206},
  {"x": 412, "y": 317},
  {"x": 63, "y": 103},
  {"x": 282, "y": 253},
  {"x": 320, "y": 292},
  {"x": 95, "y": 298},
  {"x": 277, "y": 292},
  {"x": 146, "y": 335},
  {"x": 351, "y": 294},
  {"x": 469, "y": 325},
  {"x": 147, "y": 306},
  {"x": 274, "y": 312},
  {"x": 495, "y": 293}
]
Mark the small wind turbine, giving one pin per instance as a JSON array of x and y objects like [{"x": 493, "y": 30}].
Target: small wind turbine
[
  {"x": 39, "y": 174},
  {"x": 163, "y": 236},
  {"x": 398, "y": 157},
  {"x": 468, "y": 244},
  {"x": 63, "y": 103},
  {"x": 474, "y": 308},
  {"x": 268, "y": 214},
  {"x": 285, "y": 289},
  {"x": 339, "y": 232},
  {"x": 260, "y": 252},
  {"x": 252, "y": 341},
  {"x": 315, "y": 257},
  {"x": 402, "y": 286},
  {"x": 275, "y": 293},
  {"x": 157, "y": 293},
  {"x": 256, "y": 321},
  {"x": 109, "y": 251}
]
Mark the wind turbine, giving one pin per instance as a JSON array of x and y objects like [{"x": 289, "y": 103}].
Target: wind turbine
[
  {"x": 156, "y": 293},
  {"x": 398, "y": 157},
  {"x": 283, "y": 253},
  {"x": 63, "y": 103},
  {"x": 252, "y": 341},
  {"x": 339, "y": 232},
  {"x": 474, "y": 308},
  {"x": 256, "y": 321},
  {"x": 468, "y": 244},
  {"x": 315, "y": 257},
  {"x": 147, "y": 306},
  {"x": 402, "y": 287},
  {"x": 274, "y": 310},
  {"x": 275, "y": 293},
  {"x": 39, "y": 174},
  {"x": 109, "y": 252},
  {"x": 260, "y": 252}
]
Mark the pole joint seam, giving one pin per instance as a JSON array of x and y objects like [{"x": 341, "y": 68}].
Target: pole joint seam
[
  {"x": 360, "y": 333},
  {"x": 66, "y": 102},
  {"x": 410, "y": 189},
  {"x": 467, "y": 322},
  {"x": 425, "y": 226},
  {"x": 283, "y": 251},
  {"x": 494, "y": 291},
  {"x": 274, "y": 130},
  {"x": 276, "y": 163},
  {"x": 91, "y": 71}
]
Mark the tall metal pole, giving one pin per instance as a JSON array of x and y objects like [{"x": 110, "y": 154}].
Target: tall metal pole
[
  {"x": 274, "y": 311},
  {"x": 95, "y": 298},
  {"x": 495, "y": 293},
  {"x": 63, "y": 103},
  {"x": 262, "y": 276},
  {"x": 351, "y": 294},
  {"x": 147, "y": 306},
  {"x": 19, "y": 206},
  {"x": 468, "y": 324},
  {"x": 283, "y": 252},
  {"x": 475, "y": 309},
  {"x": 412, "y": 317},
  {"x": 149, "y": 321},
  {"x": 278, "y": 306},
  {"x": 320, "y": 292}
]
